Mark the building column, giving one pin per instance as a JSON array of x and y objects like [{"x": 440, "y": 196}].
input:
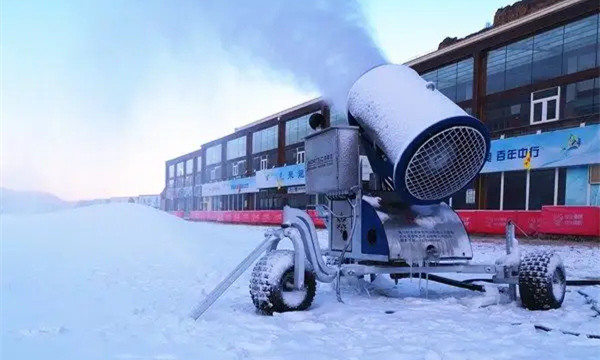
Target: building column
[
  {"x": 249, "y": 159},
  {"x": 502, "y": 190},
  {"x": 280, "y": 142},
  {"x": 479, "y": 84},
  {"x": 555, "y": 186}
]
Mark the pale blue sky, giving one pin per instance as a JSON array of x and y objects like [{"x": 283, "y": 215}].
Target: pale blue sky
[{"x": 96, "y": 95}]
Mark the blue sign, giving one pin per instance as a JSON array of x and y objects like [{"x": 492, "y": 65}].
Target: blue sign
[
  {"x": 283, "y": 176},
  {"x": 569, "y": 147},
  {"x": 228, "y": 187}
]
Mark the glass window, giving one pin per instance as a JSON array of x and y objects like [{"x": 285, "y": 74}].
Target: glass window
[
  {"x": 237, "y": 168},
  {"x": 214, "y": 173},
  {"x": 560, "y": 51},
  {"x": 189, "y": 166},
  {"x": 514, "y": 190},
  {"x": 446, "y": 81},
  {"x": 598, "y": 41},
  {"x": 294, "y": 155},
  {"x": 580, "y": 45},
  {"x": 597, "y": 94},
  {"x": 338, "y": 119},
  {"x": 562, "y": 186},
  {"x": 300, "y": 157},
  {"x": 171, "y": 171},
  {"x": 465, "y": 198},
  {"x": 236, "y": 148},
  {"x": 496, "y": 64},
  {"x": 264, "y": 140},
  {"x": 454, "y": 80},
  {"x": 547, "y": 54},
  {"x": 464, "y": 80},
  {"x": 430, "y": 76},
  {"x": 189, "y": 180},
  {"x": 180, "y": 169},
  {"x": 213, "y": 155},
  {"x": 508, "y": 113},
  {"x": 297, "y": 129},
  {"x": 518, "y": 63},
  {"x": 582, "y": 98},
  {"x": 337, "y": 116},
  {"x": 492, "y": 190},
  {"x": 545, "y": 105},
  {"x": 541, "y": 188},
  {"x": 199, "y": 163}
]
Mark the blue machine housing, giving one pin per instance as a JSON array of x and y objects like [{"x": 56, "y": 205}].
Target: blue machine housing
[
  {"x": 373, "y": 237},
  {"x": 394, "y": 175}
]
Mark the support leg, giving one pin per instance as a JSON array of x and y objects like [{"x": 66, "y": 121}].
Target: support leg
[{"x": 510, "y": 244}]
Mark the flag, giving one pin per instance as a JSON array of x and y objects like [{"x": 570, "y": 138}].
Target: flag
[{"x": 527, "y": 160}]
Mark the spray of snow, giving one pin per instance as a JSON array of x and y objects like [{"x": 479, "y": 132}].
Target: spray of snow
[{"x": 321, "y": 43}]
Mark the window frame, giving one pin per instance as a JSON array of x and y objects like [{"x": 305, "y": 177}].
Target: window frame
[
  {"x": 264, "y": 163},
  {"x": 544, "y": 101},
  {"x": 300, "y": 155}
]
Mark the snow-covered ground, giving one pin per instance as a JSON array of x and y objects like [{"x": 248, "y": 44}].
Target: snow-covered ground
[
  {"x": 117, "y": 282},
  {"x": 29, "y": 202}
]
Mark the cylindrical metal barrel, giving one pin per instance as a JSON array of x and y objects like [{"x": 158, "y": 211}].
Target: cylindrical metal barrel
[{"x": 434, "y": 146}]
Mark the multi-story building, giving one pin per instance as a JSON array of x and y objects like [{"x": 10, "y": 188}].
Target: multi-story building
[
  {"x": 259, "y": 166},
  {"x": 533, "y": 77}
]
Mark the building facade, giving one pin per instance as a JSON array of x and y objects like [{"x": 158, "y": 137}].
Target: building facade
[
  {"x": 533, "y": 79},
  {"x": 535, "y": 82},
  {"x": 258, "y": 167}
]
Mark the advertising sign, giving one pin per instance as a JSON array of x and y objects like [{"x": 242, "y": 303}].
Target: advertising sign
[
  {"x": 569, "y": 147},
  {"x": 236, "y": 186},
  {"x": 290, "y": 175}
]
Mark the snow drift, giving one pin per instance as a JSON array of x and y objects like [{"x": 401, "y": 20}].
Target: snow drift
[{"x": 29, "y": 202}]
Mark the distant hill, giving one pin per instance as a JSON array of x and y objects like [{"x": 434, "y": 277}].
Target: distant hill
[{"x": 29, "y": 202}]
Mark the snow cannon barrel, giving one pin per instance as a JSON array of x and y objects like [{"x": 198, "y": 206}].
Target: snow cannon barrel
[{"x": 417, "y": 140}]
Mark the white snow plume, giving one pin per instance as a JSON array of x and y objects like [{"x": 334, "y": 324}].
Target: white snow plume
[{"x": 324, "y": 43}]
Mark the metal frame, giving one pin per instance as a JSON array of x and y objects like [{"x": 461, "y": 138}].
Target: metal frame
[
  {"x": 299, "y": 220},
  {"x": 299, "y": 228}
]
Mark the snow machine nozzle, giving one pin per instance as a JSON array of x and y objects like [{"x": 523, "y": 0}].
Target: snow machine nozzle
[{"x": 423, "y": 144}]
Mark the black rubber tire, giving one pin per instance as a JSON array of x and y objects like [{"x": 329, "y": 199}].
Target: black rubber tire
[
  {"x": 271, "y": 279},
  {"x": 540, "y": 274}
]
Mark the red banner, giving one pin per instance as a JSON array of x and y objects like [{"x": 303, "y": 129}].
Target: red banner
[
  {"x": 177, "y": 213},
  {"x": 571, "y": 220}
]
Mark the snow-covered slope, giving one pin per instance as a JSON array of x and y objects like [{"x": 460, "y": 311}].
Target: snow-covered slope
[
  {"x": 117, "y": 281},
  {"x": 29, "y": 202}
]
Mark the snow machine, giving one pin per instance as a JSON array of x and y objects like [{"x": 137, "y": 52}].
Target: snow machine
[{"x": 422, "y": 148}]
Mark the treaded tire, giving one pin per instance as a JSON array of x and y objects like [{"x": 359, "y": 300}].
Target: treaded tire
[
  {"x": 270, "y": 284},
  {"x": 542, "y": 281}
]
